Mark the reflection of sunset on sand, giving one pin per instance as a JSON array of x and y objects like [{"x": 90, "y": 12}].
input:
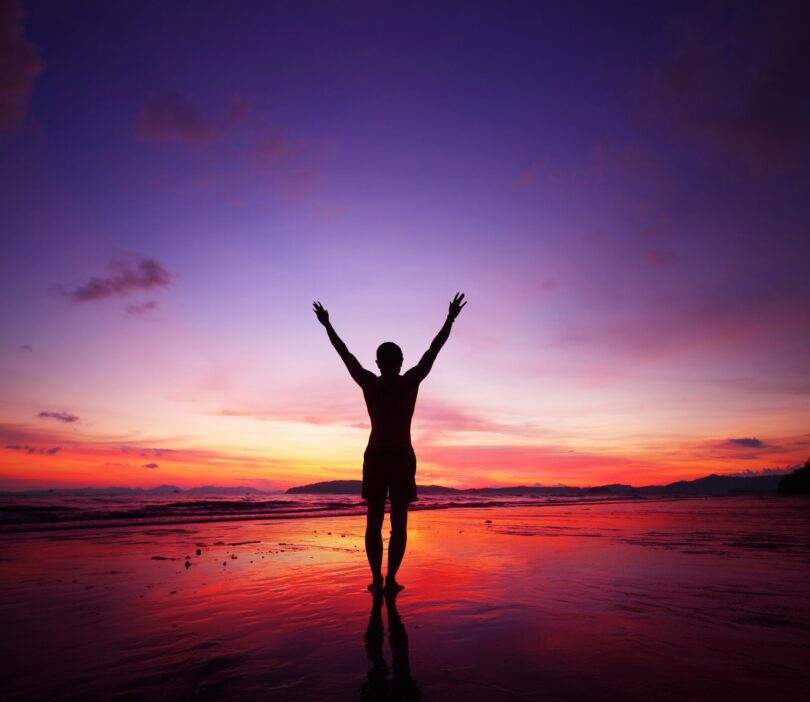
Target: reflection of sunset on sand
[{"x": 569, "y": 602}]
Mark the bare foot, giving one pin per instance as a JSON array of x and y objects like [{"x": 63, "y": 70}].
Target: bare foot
[
  {"x": 375, "y": 587},
  {"x": 392, "y": 587}
]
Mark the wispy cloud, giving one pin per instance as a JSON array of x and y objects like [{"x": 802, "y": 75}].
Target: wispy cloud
[
  {"x": 32, "y": 449},
  {"x": 155, "y": 452},
  {"x": 20, "y": 65},
  {"x": 433, "y": 419},
  {"x": 59, "y": 416},
  {"x": 345, "y": 415},
  {"x": 142, "y": 308},
  {"x": 291, "y": 166},
  {"x": 527, "y": 464},
  {"x": 111, "y": 448},
  {"x": 747, "y": 443},
  {"x": 125, "y": 277},
  {"x": 270, "y": 153},
  {"x": 151, "y": 465},
  {"x": 169, "y": 117},
  {"x": 435, "y": 422}
]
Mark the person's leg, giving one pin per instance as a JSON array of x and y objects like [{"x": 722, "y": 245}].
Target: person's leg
[
  {"x": 396, "y": 546},
  {"x": 374, "y": 544}
]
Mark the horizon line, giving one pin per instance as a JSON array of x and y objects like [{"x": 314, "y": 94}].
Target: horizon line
[{"x": 775, "y": 473}]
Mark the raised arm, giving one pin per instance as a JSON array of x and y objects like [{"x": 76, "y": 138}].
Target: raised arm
[
  {"x": 421, "y": 369},
  {"x": 358, "y": 373}
]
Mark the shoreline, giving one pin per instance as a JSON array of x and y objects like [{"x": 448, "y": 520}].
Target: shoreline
[{"x": 358, "y": 510}]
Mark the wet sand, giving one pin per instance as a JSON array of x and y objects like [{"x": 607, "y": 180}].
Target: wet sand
[{"x": 674, "y": 600}]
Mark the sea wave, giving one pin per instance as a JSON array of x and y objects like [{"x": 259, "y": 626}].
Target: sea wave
[{"x": 24, "y": 513}]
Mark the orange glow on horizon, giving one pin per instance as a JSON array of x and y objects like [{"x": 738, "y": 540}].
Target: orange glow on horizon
[{"x": 82, "y": 461}]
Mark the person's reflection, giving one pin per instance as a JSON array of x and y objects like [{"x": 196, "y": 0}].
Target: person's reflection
[
  {"x": 403, "y": 686},
  {"x": 400, "y": 686},
  {"x": 376, "y": 687}
]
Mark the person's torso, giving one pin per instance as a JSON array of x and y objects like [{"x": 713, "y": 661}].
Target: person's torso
[{"x": 390, "y": 402}]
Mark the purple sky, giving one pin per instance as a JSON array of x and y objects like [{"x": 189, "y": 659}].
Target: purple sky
[{"x": 621, "y": 191}]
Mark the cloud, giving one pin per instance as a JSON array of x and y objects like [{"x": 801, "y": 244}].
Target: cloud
[
  {"x": 702, "y": 319},
  {"x": 168, "y": 117},
  {"x": 335, "y": 414},
  {"x": 142, "y": 308},
  {"x": 433, "y": 419},
  {"x": 528, "y": 464},
  {"x": 298, "y": 184},
  {"x": 126, "y": 277},
  {"x": 154, "y": 452},
  {"x": 290, "y": 166},
  {"x": 739, "y": 79},
  {"x": 747, "y": 443},
  {"x": 150, "y": 465},
  {"x": 269, "y": 153},
  {"x": 60, "y": 416},
  {"x": 748, "y": 473},
  {"x": 32, "y": 450},
  {"x": 116, "y": 448},
  {"x": 722, "y": 453},
  {"x": 27, "y": 347},
  {"x": 19, "y": 65}
]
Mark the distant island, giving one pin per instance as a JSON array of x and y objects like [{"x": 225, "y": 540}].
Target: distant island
[
  {"x": 706, "y": 486},
  {"x": 796, "y": 482}
]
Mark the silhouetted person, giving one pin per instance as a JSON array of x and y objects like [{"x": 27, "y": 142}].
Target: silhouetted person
[{"x": 389, "y": 463}]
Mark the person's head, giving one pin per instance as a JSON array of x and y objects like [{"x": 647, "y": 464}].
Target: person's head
[{"x": 389, "y": 358}]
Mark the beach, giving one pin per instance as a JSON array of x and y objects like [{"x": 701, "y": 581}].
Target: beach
[{"x": 649, "y": 600}]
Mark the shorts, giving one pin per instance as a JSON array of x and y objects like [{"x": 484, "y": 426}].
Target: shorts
[{"x": 389, "y": 472}]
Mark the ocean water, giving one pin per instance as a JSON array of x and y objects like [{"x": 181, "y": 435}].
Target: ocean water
[{"x": 24, "y": 513}]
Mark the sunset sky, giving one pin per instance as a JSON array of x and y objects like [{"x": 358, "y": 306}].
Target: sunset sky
[{"x": 621, "y": 190}]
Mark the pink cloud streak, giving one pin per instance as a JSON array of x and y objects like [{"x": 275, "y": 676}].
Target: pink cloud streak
[{"x": 126, "y": 277}]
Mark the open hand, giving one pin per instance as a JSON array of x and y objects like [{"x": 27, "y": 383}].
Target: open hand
[
  {"x": 456, "y": 305},
  {"x": 320, "y": 313}
]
